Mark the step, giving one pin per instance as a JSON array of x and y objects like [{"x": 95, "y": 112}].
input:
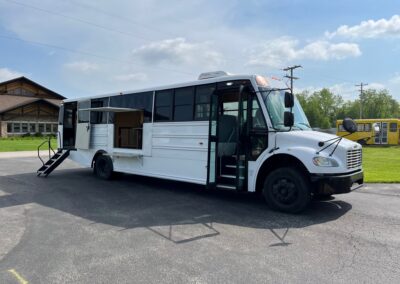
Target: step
[
  {"x": 234, "y": 166},
  {"x": 226, "y": 186},
  {"x": 230, "y": 176}
]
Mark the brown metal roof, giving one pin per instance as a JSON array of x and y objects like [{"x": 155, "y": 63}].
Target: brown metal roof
[
  {"x": 8, "y": 102},
  {"x": 24, "y": 79}
]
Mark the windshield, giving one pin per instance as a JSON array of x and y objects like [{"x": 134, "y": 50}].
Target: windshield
[{"x": 275, "y": 104}]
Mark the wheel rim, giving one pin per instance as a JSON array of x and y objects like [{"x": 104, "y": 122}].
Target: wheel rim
[{"x": 284, "y": 191}]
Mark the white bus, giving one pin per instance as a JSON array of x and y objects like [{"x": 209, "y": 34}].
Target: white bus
[{"x": 222, "y": 131}]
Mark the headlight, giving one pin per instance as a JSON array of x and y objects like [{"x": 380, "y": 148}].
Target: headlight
[{"x": 325, "y": 162}]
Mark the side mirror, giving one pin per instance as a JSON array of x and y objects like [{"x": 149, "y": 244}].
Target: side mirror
[
  {"x": 349, "y": 125},
  {"x": 377, "y": 128},
  {"x": 288, "y": 119},
  {"x": 289, "y": 100}
]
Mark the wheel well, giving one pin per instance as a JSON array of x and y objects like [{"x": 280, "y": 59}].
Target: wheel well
[
  {"x": 277, "y": 161},
  {"x": 98, "y": 153}
]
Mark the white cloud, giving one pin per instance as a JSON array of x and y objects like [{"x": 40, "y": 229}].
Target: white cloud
[
  {"x": 7, "y": 74},
  {"x": 375, "y": 85},
  {"x": 395, "y": 80},
  {"x": 178, "y": 51},
  {"x": 276, "y": 53},
  {"x": 132, "y": 77},
  {"x": 370, "y": 29},
  {"x": 82, "y": 66}
]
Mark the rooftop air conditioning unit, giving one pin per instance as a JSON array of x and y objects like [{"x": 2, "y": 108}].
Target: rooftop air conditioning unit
[{"x": 209, "y": 75}]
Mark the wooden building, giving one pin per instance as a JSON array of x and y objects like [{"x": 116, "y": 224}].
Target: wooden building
[{"x": 27, "y": 107}]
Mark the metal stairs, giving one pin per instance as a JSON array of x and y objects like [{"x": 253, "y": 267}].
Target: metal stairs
[
  {"x": 228, "y": 172},
  {"x": 53, "y": 163}
]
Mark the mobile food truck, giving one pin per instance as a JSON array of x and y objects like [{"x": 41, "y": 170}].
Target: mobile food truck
[{"x": 222, "y": 131}]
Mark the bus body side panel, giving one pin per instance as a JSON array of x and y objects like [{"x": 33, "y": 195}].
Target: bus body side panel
[{"x": 178, "y": 152}]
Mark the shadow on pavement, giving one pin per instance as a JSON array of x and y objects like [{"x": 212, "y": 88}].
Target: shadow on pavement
[{"x": 161, "y": 206}]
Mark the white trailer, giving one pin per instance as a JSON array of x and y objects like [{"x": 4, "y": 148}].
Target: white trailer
[{"x": 221, "y": 131}]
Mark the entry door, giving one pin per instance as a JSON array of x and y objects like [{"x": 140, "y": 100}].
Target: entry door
[
  {"x": 69, "y": 120},
  {"x": 83, "y": 127},
  {"x": 382, "y": 138},
  {"x": 242, "y": 141},
  {"x": 213, "y": 142},
  {"x": 384, "y": 132}
]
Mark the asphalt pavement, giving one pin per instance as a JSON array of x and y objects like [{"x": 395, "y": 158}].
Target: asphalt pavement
[{"x": 74, "y": 228}]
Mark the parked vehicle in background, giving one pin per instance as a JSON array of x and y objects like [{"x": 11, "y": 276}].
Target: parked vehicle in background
[
  {"x": 228, "y": 132},
  {"x": 366, "y": 134}
]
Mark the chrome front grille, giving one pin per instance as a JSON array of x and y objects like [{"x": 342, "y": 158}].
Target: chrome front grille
[{"x": 354, "y": 158}]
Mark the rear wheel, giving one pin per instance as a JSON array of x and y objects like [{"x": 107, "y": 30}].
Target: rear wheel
[
  {"x": 287, "y": 190},
  {"x": 103, "y": 167}
]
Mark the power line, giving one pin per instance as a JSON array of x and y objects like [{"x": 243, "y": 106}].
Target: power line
[
  {"x": 291, "y": 77},
  {"x": 361, "y": 85},
  {"x": 90, "y": 54},
  {"x": 77, "y": 20},
  {"x": 83, "y": 21},
  {"x": 119, "y": 17}
]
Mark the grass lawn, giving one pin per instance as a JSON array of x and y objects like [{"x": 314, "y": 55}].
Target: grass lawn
[
  {"x": 381, "y": 164},
  {"x": 24, "y": 144}
]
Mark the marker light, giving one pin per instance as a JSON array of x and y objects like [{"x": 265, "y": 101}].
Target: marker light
[{"x": 261, "y": 81}]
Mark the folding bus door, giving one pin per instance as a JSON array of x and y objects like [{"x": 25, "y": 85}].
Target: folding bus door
[{"x": 83, "y": 126}]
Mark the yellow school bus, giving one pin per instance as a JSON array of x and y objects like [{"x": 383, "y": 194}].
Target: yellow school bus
[{"x": 389, "y": 131}]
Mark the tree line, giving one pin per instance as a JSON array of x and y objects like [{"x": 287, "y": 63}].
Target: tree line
[{"x": 323, "y": 107}]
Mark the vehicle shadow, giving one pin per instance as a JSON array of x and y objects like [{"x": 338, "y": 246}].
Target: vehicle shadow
[{"x": 163, "y": 207}]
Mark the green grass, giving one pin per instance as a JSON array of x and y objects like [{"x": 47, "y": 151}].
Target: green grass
[
  {"x": 24, "y": 144},
  {"x": 381, "y": 164}
]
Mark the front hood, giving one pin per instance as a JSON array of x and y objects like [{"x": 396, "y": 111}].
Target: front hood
[
  {"x": 311, "y": 139},
  {"x": 305, "y": 145}
]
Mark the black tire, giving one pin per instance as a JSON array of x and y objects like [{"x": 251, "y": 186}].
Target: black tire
[
  {"x": 287, "y": 190},
  {"x": 103, "y": 167}
]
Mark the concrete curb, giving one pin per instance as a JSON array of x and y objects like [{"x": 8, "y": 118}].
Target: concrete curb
[{"x": 23, "y": 154}]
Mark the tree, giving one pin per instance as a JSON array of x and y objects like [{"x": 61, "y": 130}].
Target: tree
[{"x": 323, "y": 108}]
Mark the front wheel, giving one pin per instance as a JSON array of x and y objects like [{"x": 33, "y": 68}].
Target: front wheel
[
  {"x": 287, "y": 190},
  {"x": 103, "y": 167}
]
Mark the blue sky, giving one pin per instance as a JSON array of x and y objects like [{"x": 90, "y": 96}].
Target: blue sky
[{"x": 81, "y": 48}]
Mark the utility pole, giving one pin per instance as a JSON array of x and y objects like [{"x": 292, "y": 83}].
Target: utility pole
[
  {"x": 361, "y": 85},
  {"x": 291, "y": 77}
]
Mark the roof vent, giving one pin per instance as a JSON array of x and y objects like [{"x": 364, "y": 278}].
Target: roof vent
[{"x": 214, "y": 74}]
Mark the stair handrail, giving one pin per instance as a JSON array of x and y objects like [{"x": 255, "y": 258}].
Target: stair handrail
[{"x": 48, "y": 140}]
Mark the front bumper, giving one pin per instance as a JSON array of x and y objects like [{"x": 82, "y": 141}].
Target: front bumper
[{"x": 338, "y": 183}]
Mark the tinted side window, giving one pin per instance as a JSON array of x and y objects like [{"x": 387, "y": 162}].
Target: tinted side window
[
  {"x": 202, "y": 101},
  {"x": 143, "y": 101},
  {"x": 183, "y": 104},
  {"x": 83, "y": 115},
  {"x": 393, "y": 127},
  {"x": 163, "y": 106},
  {"x": 98, "y": 117}
]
